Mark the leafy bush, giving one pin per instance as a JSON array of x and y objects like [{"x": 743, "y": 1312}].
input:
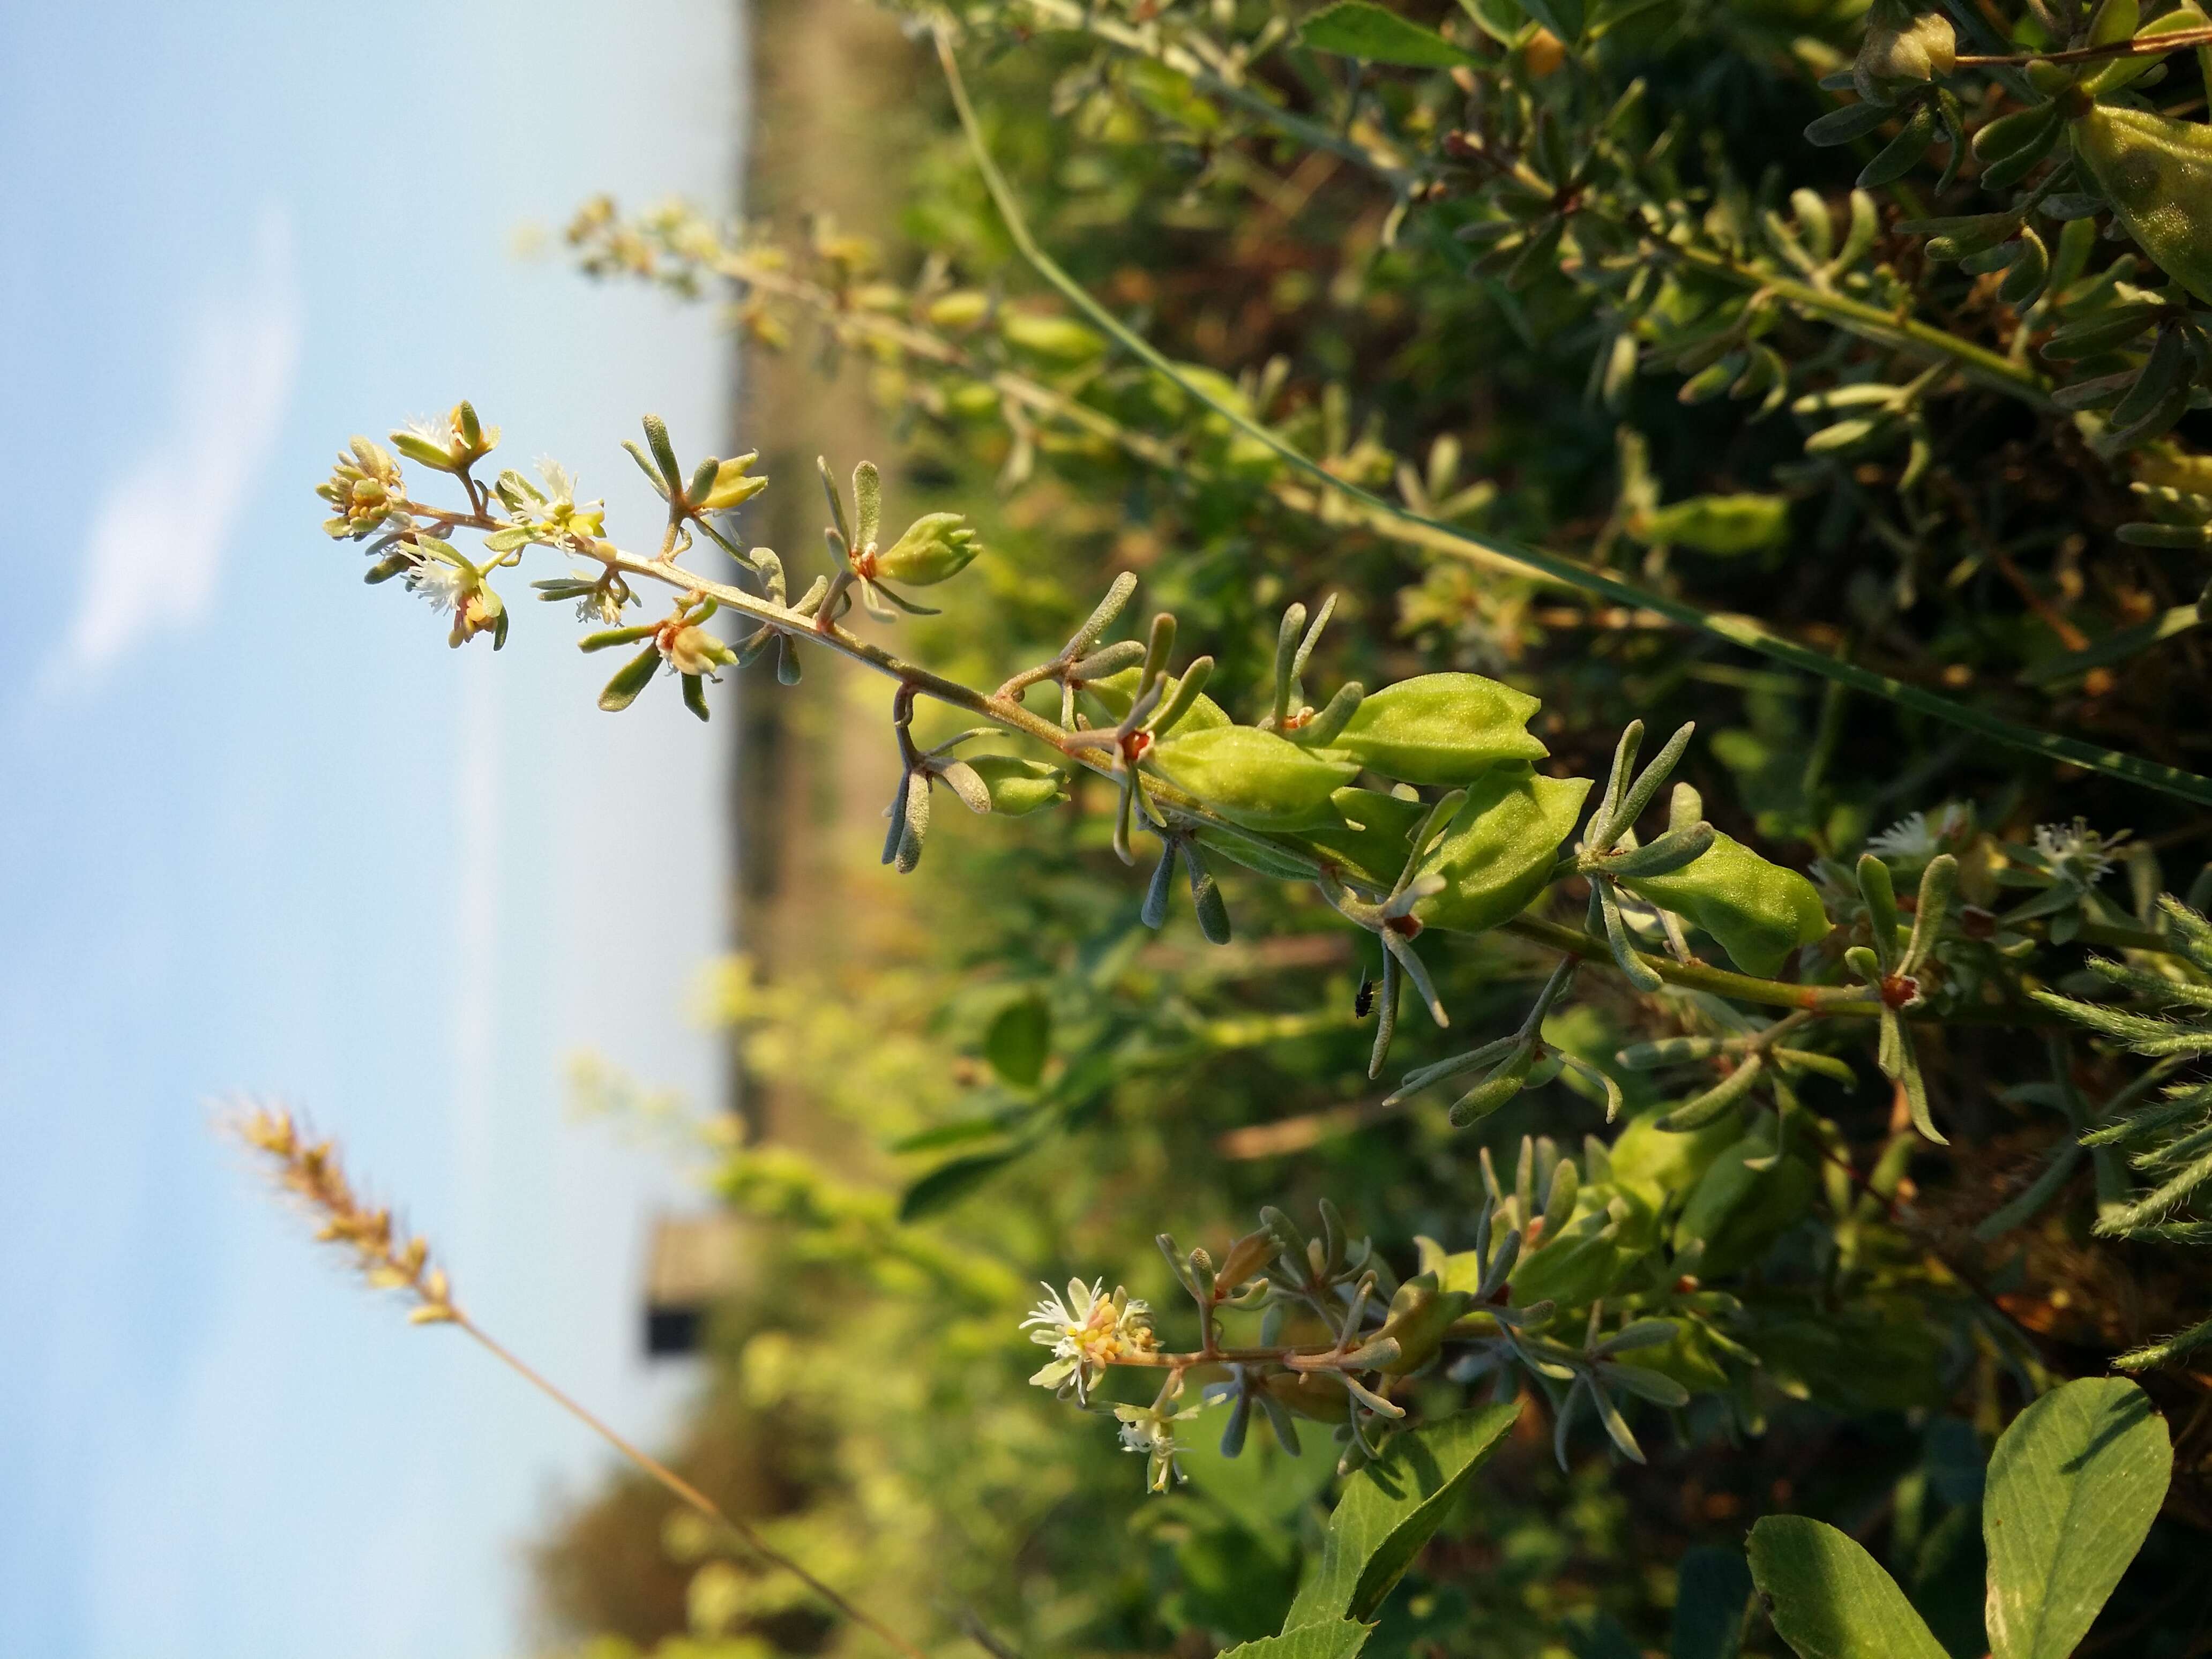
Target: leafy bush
[{"x": 1554, "y": 392}]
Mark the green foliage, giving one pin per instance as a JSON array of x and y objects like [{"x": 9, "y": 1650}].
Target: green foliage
[
  {"x": 1528, "y": 348},
  {"x": 2073, "y": 1487},
  {"x": 1388, "y": 1511},
  {"x": 1829, "y": 1598}
]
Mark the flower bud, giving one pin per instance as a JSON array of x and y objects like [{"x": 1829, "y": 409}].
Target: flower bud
[
  {"x": 1056, "y": 339},
  {"x": 692, "y": 650},
  {"x": 730, "y": 486},
  {"x": 1444, "y": 729},
  {"x": 1018, "y": 786},
  {"x": 1901, "y": 49},
  {"x": 936, "y": 547},
  {"x": 1498, "y": 852},
  {"x": 960, "y": 310},
  {"x": 1254, "y": 778},
  {"x": 450, "y": 444},
  {"x": 365, "y": 488},
  {"x": 1758, "y": 911}
]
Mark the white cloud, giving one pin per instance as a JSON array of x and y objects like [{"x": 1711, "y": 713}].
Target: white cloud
[{"x": 160, "y": 535}]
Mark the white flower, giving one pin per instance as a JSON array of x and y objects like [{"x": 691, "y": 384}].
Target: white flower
[
  {"x": 1914, "y": 840},
  {"x": 1087, "y": 1331},
  {"x": 1151, "y": 1429},
  {"x": 2077, "y": 852},
  {"x": 443, "y": 584}
]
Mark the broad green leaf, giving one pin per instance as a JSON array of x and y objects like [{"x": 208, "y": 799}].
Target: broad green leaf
[
  {"x": 1712, "y": 1593},
  {"x": 1336, "y": 1638},
  {"x": 1019, "y": 1041},
  {"x": 1352, "y": 28},
  {"x": 1389, "y": 1509},
  {"x": 1829, "y": 1598},
  {"x": 2073, "y": 1487}
]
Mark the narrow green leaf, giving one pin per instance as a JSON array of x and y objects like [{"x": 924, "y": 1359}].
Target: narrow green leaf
[
  {"x": 1829, "y": 1599},
  {"x": 2074, "y": 1485},
  {"x": 1390, "y": 1509},
  {"x": 1353, "y": 29}
]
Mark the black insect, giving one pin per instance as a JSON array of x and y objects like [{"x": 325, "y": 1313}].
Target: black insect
[{"x": 1362, "y": 1000}]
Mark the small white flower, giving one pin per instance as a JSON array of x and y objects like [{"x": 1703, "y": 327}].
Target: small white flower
[
  {"x": 444, "y": 585},
  {"x": 1087, "y": 1331},
  {"x": 1151, "y": 1429},
  {"x": 2074, "y": 852},
  {"x": 1914, "y": 839}
]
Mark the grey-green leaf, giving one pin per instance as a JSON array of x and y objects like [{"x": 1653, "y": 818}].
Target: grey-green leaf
[
  {"x": 1389, "y": 1509},
  {"x": 2073, "y": 1487},
  {"x": 1352, "y": 28},
  {"x": 1829, "y": 1598}
]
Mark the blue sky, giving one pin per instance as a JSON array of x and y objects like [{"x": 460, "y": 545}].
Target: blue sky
[{"x": 263, "y": 832}]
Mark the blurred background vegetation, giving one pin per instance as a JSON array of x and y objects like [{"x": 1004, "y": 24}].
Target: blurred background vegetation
[{"x": 951, "y": 1087}]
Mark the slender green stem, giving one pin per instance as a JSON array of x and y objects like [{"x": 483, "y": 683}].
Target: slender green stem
[
  {"x": 682, "y": 1488},
  {"x": 1736, "y": 629},
  {"x": 1871, "y": 322}
]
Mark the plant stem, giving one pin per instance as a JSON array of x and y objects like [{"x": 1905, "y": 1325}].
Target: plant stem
[{"x": 682, "y": 1488}]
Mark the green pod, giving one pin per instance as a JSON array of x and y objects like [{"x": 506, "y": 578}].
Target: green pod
[
  {"x": 1498, "y": 853},
  {"x": 1724, "y": 525},
  {"x": 1691, "y": 1356},
  {"x": 1573, "y": 1270},
  {"x": 1444, "y": 729},
  {"x": 936, "y": 547},
  {"x": 1253, "y": 777},
  {"x": 2009, "y": 135},
  {"x": 1054, "y": 339},
  {"x": 1758, "y": 912},
  {"x": 1736, "y": 1210},
  {"x": 2157, "y": 173},
  {"x": 1376, "y": 833},
  {"x": 1420, "y": 1314},
  {"x": 1017, "y": 786},
  {"x": 1252, "y": 855},
  {"x": 1660, "y": 1166},
  {"x": 1115, "y": 692}
]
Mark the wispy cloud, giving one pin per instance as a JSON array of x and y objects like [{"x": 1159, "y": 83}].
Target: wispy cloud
[{"x": 160, "y": 535}]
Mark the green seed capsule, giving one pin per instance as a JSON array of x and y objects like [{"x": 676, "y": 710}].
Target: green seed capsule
[
  {"x": 1758, "y": 912},
  {"x": 1659, "y": 1166},
  {"x": 1420, "y": 1314},
  {"x": 1115, "y": 692},
  {"x": 1444, "y": 729},
  {"x": 1254, "y": 778},
  {"x": 1018, "y": 786},
  {"x": 936, "y": 547},
  {"x": 1582, "y": 1264},
  {"x": 961, "y": 309},
  {"x": 1497, "y": 854},
  {"x": 2157, "y": 175},
  {"x": 1056, "y": 339},
  {"x": 1376, "y": 833},
  {"x": 1737, "y": 1211},
  {"x": 1724, "y": 525}
]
